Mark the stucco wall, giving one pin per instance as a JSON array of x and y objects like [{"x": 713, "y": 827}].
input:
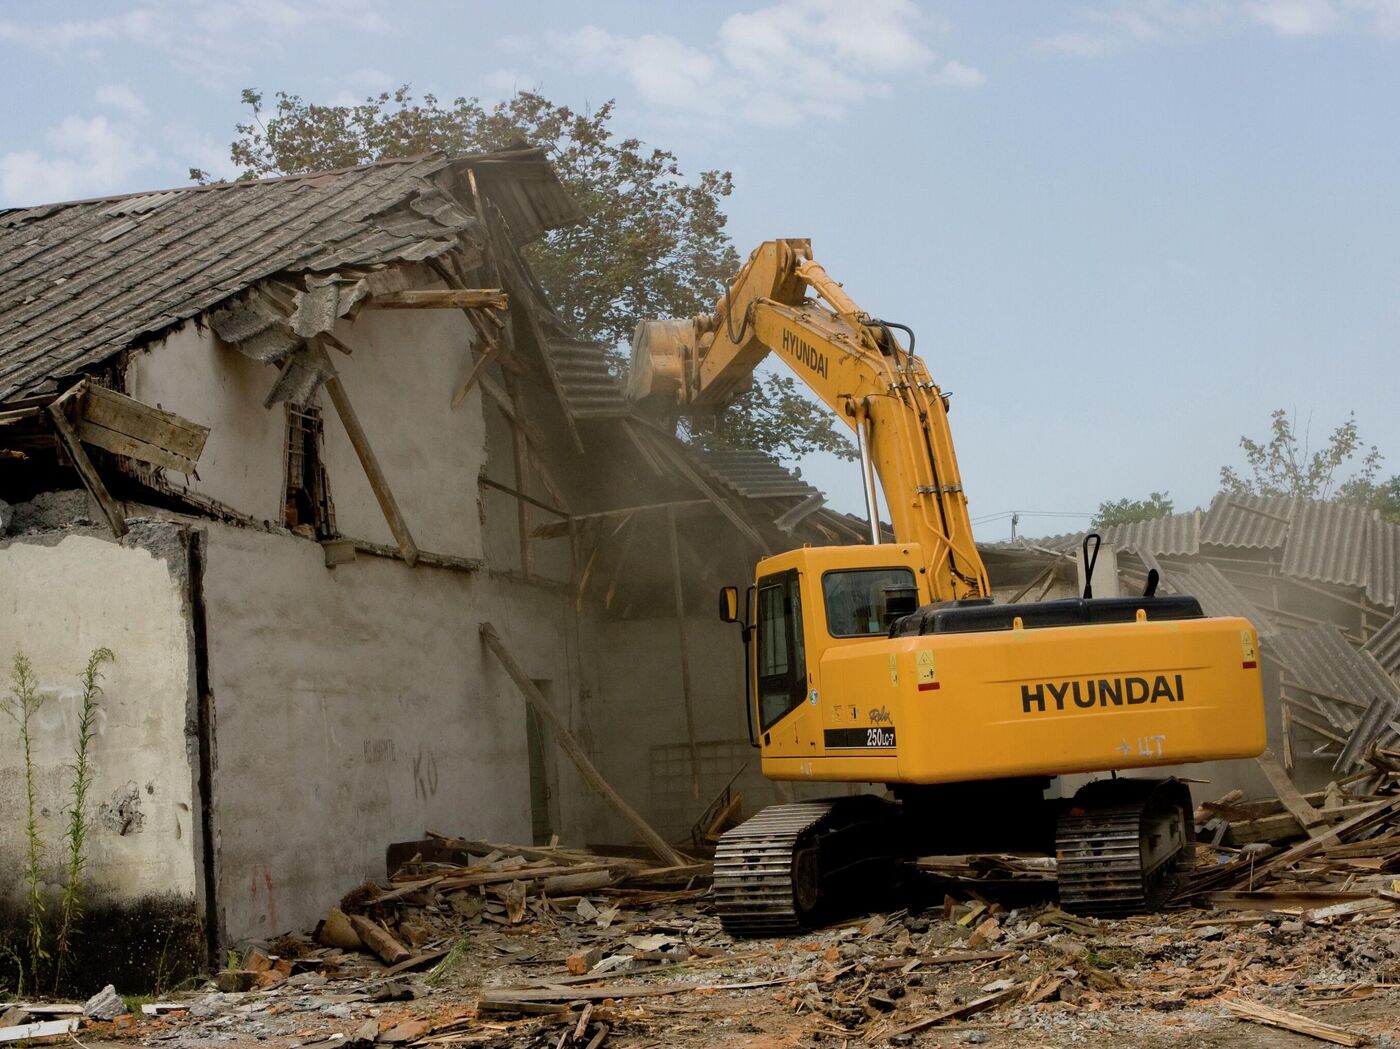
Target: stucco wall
[
  {"x": 196, "y": 375},
  {"x": 356, "y": 707},
  {"x": 62, "y": 595},
  {"x": 405, "y": 367}
]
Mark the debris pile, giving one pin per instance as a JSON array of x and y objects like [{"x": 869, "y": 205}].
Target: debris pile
[{"x": 572, "y": 949}]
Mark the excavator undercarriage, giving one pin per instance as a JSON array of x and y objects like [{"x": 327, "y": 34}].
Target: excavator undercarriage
[{"x": 1120, "y": 845}]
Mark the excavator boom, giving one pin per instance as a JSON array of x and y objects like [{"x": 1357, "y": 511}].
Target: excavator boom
[{"x": 854, "y": 364}]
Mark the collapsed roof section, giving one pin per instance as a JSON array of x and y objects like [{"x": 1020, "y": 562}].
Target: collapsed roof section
[{"x": 89, "y": 279}]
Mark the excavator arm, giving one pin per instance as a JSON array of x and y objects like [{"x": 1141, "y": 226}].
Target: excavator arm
[{"x": 854, "y": 364}]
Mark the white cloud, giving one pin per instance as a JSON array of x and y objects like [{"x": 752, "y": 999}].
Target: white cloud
[
  {"x": 84, "y": 156},
  {"x": 772, "y": 66},
  {"x": 121, "y": 98},
  {"x": 1123, "y": 23},
  {"x": 1296, "y": 17},
  {"x": 213, "y": 40},
  {"x": 955, "y": 74}
]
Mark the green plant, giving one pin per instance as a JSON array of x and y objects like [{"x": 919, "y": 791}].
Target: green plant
[
  {"x": 440, "y": 970},
  {"x": 22, "y": 704},
  {"x": 71, "y": 906},
  {"x": 235, "y": 960},
  {"x": 8, "y": 953}
]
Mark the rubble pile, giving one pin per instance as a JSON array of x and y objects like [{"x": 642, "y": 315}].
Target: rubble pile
[{"x": 484, "y": 944}]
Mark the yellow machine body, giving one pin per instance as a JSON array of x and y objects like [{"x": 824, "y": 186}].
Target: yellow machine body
[
  {"x": 851, "y": 703},
  {"x": 955, "y": 707}
]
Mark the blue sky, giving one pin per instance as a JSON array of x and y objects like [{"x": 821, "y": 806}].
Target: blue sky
[{"x": 1124, "y": 231}]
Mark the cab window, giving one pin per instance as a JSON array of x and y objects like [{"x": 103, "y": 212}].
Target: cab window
[
  {"x": 780, "y": 655},
  {"x": 861, "y": 601}
]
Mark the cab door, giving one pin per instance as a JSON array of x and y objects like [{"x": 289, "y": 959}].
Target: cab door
[{"x": 780, "y": 659}]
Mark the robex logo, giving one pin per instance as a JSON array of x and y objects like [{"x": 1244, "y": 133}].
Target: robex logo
[
  {"x": 1102, "y": 692},
  {"x": 805, "y": 352}
]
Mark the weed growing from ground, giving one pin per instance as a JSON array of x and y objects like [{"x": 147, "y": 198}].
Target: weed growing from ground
[
  {"x": 22, "y": 704},
  {"x": 75, "y": 839}
]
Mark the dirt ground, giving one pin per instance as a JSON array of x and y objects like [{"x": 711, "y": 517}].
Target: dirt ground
[{"x": 667, "y": 975}]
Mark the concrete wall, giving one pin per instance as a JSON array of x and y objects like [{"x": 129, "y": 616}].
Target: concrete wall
[
  {"x": 357, "y": 706},
  {"x": 64, "y": 593}
]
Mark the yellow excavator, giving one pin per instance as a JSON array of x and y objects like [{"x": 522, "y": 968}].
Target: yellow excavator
[{"x": 889, "y": 663}]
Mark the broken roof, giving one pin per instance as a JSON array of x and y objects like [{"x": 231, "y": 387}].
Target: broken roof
[{"x": 85, "y": 280}]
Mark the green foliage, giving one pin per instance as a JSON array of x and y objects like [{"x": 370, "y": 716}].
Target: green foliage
[
  {"x": 71, "y": 906},
  {"x": 16, "y": 963},
  {"x": 22, "y": 704},
  {"x": 1383, "y": 497},
  {"x": 774, "y": 416},
  {"x": 1285, "y": 463},
  {"x": 653, "y": 242},
  {"x": 456, "y": 954},
  {"x": 1126, "y": 511}
]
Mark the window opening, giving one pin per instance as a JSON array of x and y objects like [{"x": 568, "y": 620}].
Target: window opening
[{"x": 307, "y": 507}]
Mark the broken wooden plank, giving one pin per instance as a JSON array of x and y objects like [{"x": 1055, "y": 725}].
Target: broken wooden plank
[
  {"x": 1255, "y": 1012},
  {"x": 450, "y": 299},
  {"x": 126, "y": 426},
  {"x": 379, "y": 940},
  {"x": 40, "y": 1029},
  {"x": 369, "y": 462},
  {"x": 1363, "y": 821},
  {"x": 510, "y": 874},
  {"x": 960, "y": 1012},
  {"x": 580, "y": 522},
  {"x": 508, "y": 490},
  {"x": 498, "y": 997},
  {"x": 1292, "y": 799},
  {"x": 520, "y": 447},
  {"x": 678, "y": 586},
  {"x": 489, "y": 357},
  {"x": 87, "y": 473},
  {"x": 571, "y": 747}
]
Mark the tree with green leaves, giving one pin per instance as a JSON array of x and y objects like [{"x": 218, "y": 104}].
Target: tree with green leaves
[
  {"x": 1285, "y": 463},
  {"x": 1126, "y": 511},
  {"x": 653, "y": 243}
]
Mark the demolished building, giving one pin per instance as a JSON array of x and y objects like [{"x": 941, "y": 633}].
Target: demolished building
[{"x": 284, "y": 446}]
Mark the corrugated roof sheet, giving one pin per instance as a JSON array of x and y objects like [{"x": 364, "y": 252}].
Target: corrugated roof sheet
[
  {"x": 590, "y": 389},
  {"x": 1176, "y": 535},
  {"x": 1251, "y": 522},
  {"x": 1320, "y": 660},
  {"x": 1383, "y": 580},
  {"x": 752, "y": 474},
  {"x": 1329, "y": 543},
  {"x": 82, "y": 281},
  {"x": 1384, "y": 645},
  {"x": 1217, "y": 595}
]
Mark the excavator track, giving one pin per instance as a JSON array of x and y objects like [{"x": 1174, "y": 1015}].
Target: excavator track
[
  {"x": 776, "y": 872},
  {"x": 1121, "y": 847}
]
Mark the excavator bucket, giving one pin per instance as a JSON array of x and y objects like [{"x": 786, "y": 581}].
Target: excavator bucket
[{"x": 662, "y": 352}]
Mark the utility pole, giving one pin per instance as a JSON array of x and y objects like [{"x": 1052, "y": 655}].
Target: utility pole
[{"x": 1015, "y": 520}]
